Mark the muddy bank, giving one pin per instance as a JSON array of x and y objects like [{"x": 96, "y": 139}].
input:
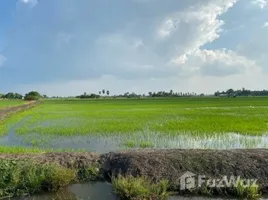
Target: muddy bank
[
  {"x": 4, "y": 113},
  {"x": 172, "y": 164},
  {"x": 166, "y": 164}
]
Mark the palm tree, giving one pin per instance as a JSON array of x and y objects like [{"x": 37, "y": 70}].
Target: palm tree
[
  {"x": 103, "y": 91},
  {"x": 107, "y": 92}
]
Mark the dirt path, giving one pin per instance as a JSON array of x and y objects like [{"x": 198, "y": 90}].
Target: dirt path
[
  {"x": 167, "y": 164},
  {"x": 4, "y": 113}
]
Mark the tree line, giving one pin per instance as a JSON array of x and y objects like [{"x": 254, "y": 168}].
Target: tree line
[
  {"x": 31, "y": 96},
  {"x": 241, "y": 92},
  {"x": 106, "y": 93},
  {"x": 34, "y": 95}
]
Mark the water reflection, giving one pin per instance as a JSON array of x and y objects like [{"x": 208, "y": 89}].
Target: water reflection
[
  {"x": 100, "y": 191},
  {"x": 90, "y": 191},
  {"x": 115, "y": 142},
  {"x": 95, "y": 191},
  {"x": 104, "y": 143}
]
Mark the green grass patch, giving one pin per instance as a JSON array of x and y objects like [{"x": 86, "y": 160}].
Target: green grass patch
[
  {"x": 24, "y": 150},
  {"x": 20, "y": 178},
  {"x": 128, "y": 188},
  {"x": 251, "y": 192},
  {"x": 138, "y": 144},
  {"x": 88, "y": 173},
  {"x": 17, "y": 150},
  {"x": 238, "y": 189},
  {"x": 10, "y": 103}
]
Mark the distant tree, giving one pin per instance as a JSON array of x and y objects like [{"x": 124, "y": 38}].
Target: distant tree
[
  {"x": 107, "y": 92},
  {"x": 31, "y": 96},
  {"x": 230, "y": 91},
  {"x": 88, "y": 96},
  {"x": 103, "y": 91},
  {"x": 9, "y": 95},
  {"x": 150, "y": 94},
  {"x": 99, "y": 92},
  {"x": 217, "y": 93},
  {"x": 18, "y": 96},
  {"x": 126, "y": 94}
]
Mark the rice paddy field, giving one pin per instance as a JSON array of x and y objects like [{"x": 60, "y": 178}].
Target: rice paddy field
[
  {"x": 115, "y": 124},
  {"x": 10, "y": 103}
]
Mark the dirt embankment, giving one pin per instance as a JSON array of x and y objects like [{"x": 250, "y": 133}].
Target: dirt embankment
[
  {"x": 4, "y": 113},
  {"x": 167, "y": 164},
  {"x": 171, "y": 164}
]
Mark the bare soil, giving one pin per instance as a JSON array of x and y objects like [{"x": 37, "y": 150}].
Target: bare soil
[{"x": 171, "y": 164}]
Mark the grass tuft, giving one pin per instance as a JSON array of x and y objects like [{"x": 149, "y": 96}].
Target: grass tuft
[
  {"x": 129, "y": 188},
  {"x": 20, "y": 178}
]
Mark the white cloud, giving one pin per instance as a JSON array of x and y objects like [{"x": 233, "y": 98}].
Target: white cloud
[
  {"x": 220, "y": 62},
  {"x": 197, "y": 83},
  {"x": 265, "y": 24},
  {"x": 178, "y": 38},
  {"x": 260, "y": 3},
  {"x": 181, "y": 37},
  {"x": 2, "y": 59},
  {"x": 32, "y": 3},
  {"x": 192, "y": 28},
  {"x": 164, "y": 46}
]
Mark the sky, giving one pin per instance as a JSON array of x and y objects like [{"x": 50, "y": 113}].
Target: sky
[{"x": 68, "y": 47}]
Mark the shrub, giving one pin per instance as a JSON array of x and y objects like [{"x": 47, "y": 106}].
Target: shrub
[{"x": 25, "y": 177}]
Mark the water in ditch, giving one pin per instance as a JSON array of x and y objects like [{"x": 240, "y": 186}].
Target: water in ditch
[{"x": 96, "y": 191}]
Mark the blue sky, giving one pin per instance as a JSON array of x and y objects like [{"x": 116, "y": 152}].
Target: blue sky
[{"x": 67, "y": 47}]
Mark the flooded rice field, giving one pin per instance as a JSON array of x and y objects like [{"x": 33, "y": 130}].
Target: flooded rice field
[
  {"x": 112, "y": 126},
  {"x": 103, "y": 143}
]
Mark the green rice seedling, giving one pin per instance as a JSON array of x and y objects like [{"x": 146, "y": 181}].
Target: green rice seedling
[
  {"x": 146, "y": 144},
  {"x": 130, "y": 144},
  {"x": 10, "y": 103},
  {"x": 170, "y": 117}
]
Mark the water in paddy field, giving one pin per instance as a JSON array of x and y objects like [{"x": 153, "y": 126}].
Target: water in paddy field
[
  {"x": 146, "y": 139},
  {"x": 103, "y": 144},
  {"x": 97, "y": 191}
]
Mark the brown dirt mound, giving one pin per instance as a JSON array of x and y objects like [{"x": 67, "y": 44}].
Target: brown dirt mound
[{"x": 171, "y": 164}]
